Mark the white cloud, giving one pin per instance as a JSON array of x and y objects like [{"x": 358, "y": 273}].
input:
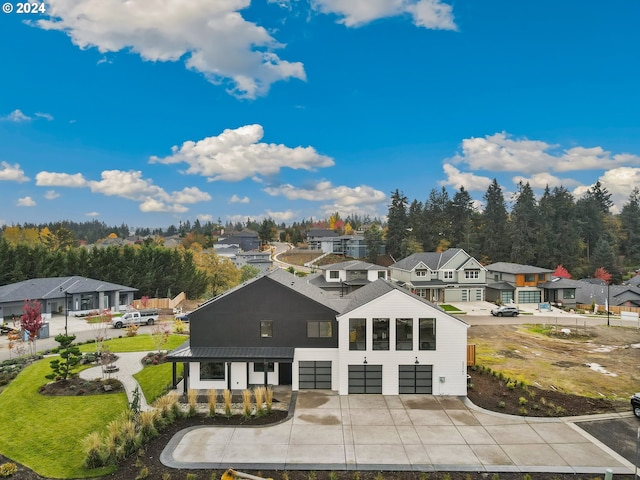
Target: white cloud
[
  {"x": 26, "y": 202},
  {"x": 53, "y": 179},
  {"x": 46, "y": 116},
  {"x": 211, "y": 36},
  {"x": 205, "y": 217},
  {"x": 431, "y": 14},
  {"x": 12, "y": 173},
  {"x": 51, "y": 195},
  {"x": 541, "y": 180},
  {"x": 16, "y": 116},
  {"x": 501, "y": 153},
  {"x": 236, "y": 199},
  {"x": 237, "y": 154},
  {"x": 279, "y": 217},
  {"x": 344, "y": 199},
  {"x": 92, "y": 214},
  {"x": 470, "y": 181},
  {"x": 620, "y": 182}
]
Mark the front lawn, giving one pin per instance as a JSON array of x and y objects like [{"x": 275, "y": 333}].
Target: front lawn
[
  {"x": 139, "y": 343},
  {"x": 449, "y": 308},
  {"x": 155, "y": 380},
  {"x": 45, "y": 433}
]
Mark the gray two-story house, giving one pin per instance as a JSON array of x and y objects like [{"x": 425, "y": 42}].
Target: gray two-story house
[{"x": 449, "y": 276}]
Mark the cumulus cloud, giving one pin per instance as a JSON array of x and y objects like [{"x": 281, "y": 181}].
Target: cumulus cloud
[
  {"x": 54, "y": 179},
  {"x": 236, "y": 199},
  {"x": 12, "y": 173},
  {"x": 541, "y": 180},
  {"x": 279, "y": 217},
  {"x": 26, "y": 202},
  {"x": 238, "y": 154},
  {"x": 470, "y": 181},
  {"x": 130, "y": 185},
  {"x": 432, "y": 14},
  {"x": 620, "y": 182},
  {"x": 51, "y": 195},
  {"x": 211, "y": 36},
  {"x": 205, "y": 217},
  {"x": 342, "y": 198},
  {"x": 16, "y": 116},
  {"x": 502, "y": 153},
  {"x": 92, "y": 214}
]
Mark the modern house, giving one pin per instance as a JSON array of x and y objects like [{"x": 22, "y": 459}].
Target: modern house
[
  {"x": 279, "y": 329},
  {"x": 449, "y": 276},
  {"x": 345, "y": 277},
  {"x": 260, "y": 260},
  {"x": 561, "y": 292},
  {"x": 246, "y": 240},
  {"x": 512, "y": 282},
  {"x": 599, "y": 293},
  {"x": 79, "y": 293}
]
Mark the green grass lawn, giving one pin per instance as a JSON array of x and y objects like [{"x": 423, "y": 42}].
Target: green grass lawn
[
  {"x": 449, "y": 308},
  {"x": 45, "y": 433},
  {"x": 139, "y": 343},
  {"x": 154, "y": 380}
]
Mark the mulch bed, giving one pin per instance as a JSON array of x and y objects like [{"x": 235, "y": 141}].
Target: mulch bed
[{"x": 75, "y": 386}]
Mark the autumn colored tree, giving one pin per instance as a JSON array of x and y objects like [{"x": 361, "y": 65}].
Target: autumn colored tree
[
  {"x": 561, "y": 272},
  {"x": 31, "y": 321},
  {"x": 602, "y": 274}
]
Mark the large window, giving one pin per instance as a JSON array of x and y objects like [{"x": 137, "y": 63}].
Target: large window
[
  {"x": 530, "y": 277},
  {"x": 382, "y": 274},
  {"x": 381, "y": 334},
  {"x": 447, "y": 274},
  {"x": 266, "y": 329},
  {"x": 212, "y": 371},
  {"x": 318, "y": 329},
  {"x": 404, "y": 333},
  {"x": 427, "y": 333},
  {"x": 568, "y": 293},
  {"x": 469, "y": 274},
  {"x": 542, "y": 277},
  {"x": 334, "y": 274},
  {"x": 421, "y": 273},
  {"x": 357, "y": 334},
  {"x": 259, "y": 367}
]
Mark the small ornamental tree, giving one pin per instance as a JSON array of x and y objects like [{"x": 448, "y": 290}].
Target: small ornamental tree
[
  {"x": 561, "y": 272},
  {"x": 70, "y": 356},
  {"x": 602, "y": 274},
  {"x": 160, "y": 332},
  {"x": 31, "y": 321},
  {"x": 99, "y": 325}
]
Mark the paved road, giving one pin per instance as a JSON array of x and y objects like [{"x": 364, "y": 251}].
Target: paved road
[{"x": 622, "y": 435}]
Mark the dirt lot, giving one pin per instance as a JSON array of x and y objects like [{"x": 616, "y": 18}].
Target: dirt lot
[{"x": 588, "y": 361}]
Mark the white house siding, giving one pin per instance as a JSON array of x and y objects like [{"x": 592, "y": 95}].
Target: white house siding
[
  {"x": 257, "y": 378},
  {"x": 372, "y": 275},
  {"x": 315, "y": 355},
  {"x": 195, "y": 382},
  {"x": 448, "y": 360}
]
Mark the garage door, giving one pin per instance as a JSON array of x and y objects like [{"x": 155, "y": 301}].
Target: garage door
[
  {"x": 415, "y": 378},
  {"x": 365, "y": 378},
  {"x": 314, "y": 375}
]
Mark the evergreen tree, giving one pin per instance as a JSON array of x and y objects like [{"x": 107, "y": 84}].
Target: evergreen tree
[
  {"x": 437, "y": 224},
  {"x": 397, "y": 223},
  {"x": 630, "y": 222},
  {"x": 373, "y": 240},
  {"x": 524, "y": 226},
  {"x": 495, "y": 242},
  {"x": 460, "y": 216}
]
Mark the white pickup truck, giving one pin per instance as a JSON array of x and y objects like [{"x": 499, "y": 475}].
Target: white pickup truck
[{"x": 137, "y": 317}]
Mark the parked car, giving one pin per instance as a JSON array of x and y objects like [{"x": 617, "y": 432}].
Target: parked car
[
  {"x": 183, "y": 317},
  {"x": 505, "y": 311},
  {"x": 635, "y": 404},
  {"x": 142, "y": 317}
]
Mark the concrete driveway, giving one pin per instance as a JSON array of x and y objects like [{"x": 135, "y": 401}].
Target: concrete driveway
[{"x": 408, "y": 432}]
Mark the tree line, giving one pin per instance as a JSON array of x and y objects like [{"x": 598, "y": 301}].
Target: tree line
[{"x": 557, "y": 229}]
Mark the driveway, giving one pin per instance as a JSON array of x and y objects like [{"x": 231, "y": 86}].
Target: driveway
[{"x": 408, "y": 432}]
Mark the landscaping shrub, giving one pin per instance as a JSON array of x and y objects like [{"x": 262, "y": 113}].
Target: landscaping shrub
[{"x": 8, "y": 469}]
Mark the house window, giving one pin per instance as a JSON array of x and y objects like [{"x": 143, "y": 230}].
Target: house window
[
  {"x": 334, "y": 274},
  {"x": 447, "y": 275},
  {"x": 266, "y": 329},
  {"x": 568, "y": 293},
  {"x": 382, "y": 274},
  {"x": 357, "y": 333},
  {"x": 542, "y": 277},
  {"x": 259, "y": 367},
  {"x": 381, "y": 334},
  {"x": 404, "y": 333},
  {"x": 319, "y": 329},
  {"x": 212, "y": 371},
  {"x": 421, "y": 273},
  {"x": 427, "y": 333},
  {"x": 469, "y": 274},
  {"x": 530, "y": 277}
]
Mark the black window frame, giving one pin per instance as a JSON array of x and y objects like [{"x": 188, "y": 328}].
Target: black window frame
[
  {"x": 332, "y": 272},
  {"x": 381, "y": 343},
  {"x": 266, "y": 328},
  {"x": 427, "y": 342},
  {"x": 404, "y": 335},
  {"x": 259, "y": 367},
  {"x": 359, "y": 340},
  {"x": 217, "y": 375},
  {"x": 314, "y": 326}
]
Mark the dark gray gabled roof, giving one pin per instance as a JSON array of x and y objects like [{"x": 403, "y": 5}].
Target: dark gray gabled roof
[
  {"x": 352, "y": 265},
  {"x": 43, "y": 288},
  {"x": 560, "y": 282},
  {"x": 515, "y": 268},
  {"x": 433, "y": 260},
  {"x": 501, "y": 286},
  {"x": 634, "y": 281}
]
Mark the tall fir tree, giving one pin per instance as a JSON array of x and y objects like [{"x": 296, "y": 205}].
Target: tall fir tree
[
  {"x": 397, "y": 224},
  {"x": 630, "y": 224},
  {"x": 524, "y": 226},
  {"x": 494, "y": 239}
]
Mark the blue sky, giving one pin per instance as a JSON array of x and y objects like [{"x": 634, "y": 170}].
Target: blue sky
[{"x": 150, "y": 112}]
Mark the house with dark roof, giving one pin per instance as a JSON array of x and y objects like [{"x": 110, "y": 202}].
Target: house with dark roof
[
  {"x": 449, "y": 276},
  {"x": 345, "y": 277},
  {"x": 597, "y": 292},
  {"x": 561, "y": 292},
  {"x": 79, "y": 293},
  {"x": 279, "y": 329},
  {"x": 513, "y": 282},
  {"x": 246, "y": 240}
]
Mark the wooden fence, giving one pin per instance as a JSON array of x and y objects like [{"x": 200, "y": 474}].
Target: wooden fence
[
  {"x": 613, "y": 309},
  {"x": 471, "y": 355},
  {"x": 160, "y": 302}
]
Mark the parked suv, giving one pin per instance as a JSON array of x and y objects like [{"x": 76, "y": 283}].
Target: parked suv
[
  {"x": 635, "y": 404},
  {"x": 505, "y": 311}
]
